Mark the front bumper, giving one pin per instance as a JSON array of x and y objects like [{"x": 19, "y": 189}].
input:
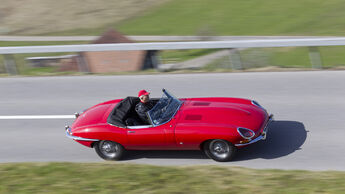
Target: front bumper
[
  {"x": 262, "y": 136},
  {"x": 69, "y": 135}
]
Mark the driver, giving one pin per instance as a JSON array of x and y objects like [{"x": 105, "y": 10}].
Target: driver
[{"x": 144, "y": 105}]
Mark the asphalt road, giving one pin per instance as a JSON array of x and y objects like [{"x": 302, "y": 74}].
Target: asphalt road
[{"x": 308, "y": 133}]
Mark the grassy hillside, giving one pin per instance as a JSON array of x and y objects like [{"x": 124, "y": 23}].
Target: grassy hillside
[
  {"x": 174, "y": 17},
  {"x": 47, "y": 16},
  {"x": 233, "y": 17},
  {"x": 129, "y": 178}
]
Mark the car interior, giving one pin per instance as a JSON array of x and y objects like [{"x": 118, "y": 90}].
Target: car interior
[{"x": 124, "y": 113}]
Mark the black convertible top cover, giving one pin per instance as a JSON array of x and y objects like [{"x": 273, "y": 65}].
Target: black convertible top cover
[{"x": 122, "y": 110}]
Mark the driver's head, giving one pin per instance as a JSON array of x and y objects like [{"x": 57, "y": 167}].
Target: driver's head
[{"x": 144, "y": 96}]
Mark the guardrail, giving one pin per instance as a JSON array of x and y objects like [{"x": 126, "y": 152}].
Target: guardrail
[
  {"x": 152, "y": 38},
  {"x": 176, "y": 45},
  {"x": 307, "y": 42}
]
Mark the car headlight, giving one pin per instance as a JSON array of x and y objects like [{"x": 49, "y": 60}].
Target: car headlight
[
  {"x": 68, "y": 129},
  {"x": 246, "y": 133}
]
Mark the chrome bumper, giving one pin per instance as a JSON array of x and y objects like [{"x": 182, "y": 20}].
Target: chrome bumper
[
  {"x": 261, "y": 137},
  {"x": 68, "y": 134}
]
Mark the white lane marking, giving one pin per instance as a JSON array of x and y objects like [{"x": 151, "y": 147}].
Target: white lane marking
[{"x": 37, "y": 117}]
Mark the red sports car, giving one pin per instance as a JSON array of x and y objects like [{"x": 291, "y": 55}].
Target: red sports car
[{"x": 218, "y": 126}]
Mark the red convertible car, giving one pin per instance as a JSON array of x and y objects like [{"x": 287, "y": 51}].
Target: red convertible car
[{"x": 218, "y": 126}]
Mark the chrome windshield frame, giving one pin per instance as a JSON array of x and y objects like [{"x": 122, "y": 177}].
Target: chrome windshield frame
[{"x": 177, "y": 109}]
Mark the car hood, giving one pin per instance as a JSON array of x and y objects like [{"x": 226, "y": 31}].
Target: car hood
[
  {"x": 95, "y": 115},
  {"x": 231, "y": 112}
]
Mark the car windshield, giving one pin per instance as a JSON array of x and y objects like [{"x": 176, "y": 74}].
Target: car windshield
[{"x": 165, "y": 109}]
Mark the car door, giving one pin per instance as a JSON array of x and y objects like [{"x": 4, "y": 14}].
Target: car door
[{"x": 149, "y": 137}]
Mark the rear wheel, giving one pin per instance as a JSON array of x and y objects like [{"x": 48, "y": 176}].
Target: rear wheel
[
  {"x": 109, "y": 150},
  {"x": 219, "y": 150}
]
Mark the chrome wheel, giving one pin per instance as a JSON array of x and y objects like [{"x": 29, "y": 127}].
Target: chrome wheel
[
  {"x": 109, "y": 150},
  {"x": 219, "y": 148}
]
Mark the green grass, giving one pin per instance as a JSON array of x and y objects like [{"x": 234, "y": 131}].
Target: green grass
[
  {"x": 233, "y": 17},
  {"x": 299, "y": 57},
  {"x": 130, "y": 178},
  {"x": 175, "y": 56},
  {"x": 39, "y": 16},
  {"x": 289, "y": 57},
  {"x": 230, "y": 17}
]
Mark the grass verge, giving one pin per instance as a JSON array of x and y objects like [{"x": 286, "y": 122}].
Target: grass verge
[
  {"x": 23, "y": 68},
  {"x": 176, "y": 56},
  {"x": 131, "y": 178},
  {"x": 289, "y": 57}
]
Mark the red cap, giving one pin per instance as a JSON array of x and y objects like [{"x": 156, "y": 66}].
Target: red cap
[{"x": 143, "y": 92}]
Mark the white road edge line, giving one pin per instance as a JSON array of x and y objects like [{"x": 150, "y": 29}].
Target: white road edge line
[{"x": 37, "y": 117}]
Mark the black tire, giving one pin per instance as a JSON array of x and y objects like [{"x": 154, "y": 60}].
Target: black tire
[
  {"x": 109, "y": 150},
  {"x": 219, "y": 150}
]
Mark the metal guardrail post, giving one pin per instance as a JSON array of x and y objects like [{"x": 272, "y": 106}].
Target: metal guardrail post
[
  {"x": 235, "y": 59},
  {"x": 315, "y": 57},
  {"x": 156, "y": 60},
  {"x": 10, "y": 64}
]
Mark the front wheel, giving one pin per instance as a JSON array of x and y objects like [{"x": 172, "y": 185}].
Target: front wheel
[
  {"x": 109, "y": 150},
  {"x": 219, "y": 150}
]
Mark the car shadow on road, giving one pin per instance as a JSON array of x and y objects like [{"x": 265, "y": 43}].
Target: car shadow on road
[
  {"x": 170, "y": 154},
  {"x": 283, "y": 138}
]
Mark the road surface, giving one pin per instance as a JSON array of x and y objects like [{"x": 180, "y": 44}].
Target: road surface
[{"x": 308, "y": 133}]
